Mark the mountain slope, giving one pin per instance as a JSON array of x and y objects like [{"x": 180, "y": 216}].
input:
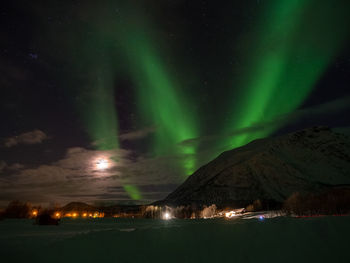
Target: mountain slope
[{"x": 270, "y": 169}]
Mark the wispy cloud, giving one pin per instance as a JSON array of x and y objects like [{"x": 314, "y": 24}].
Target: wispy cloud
[
  {"x": 76, "y": 177},
  {"x": 139, "y": 134},
  {"x": 3, "y": 165},
  {"x": 13, "y": 167},
  {"x": 128, "y": 136},
  {"x": 32, "y": 137}
]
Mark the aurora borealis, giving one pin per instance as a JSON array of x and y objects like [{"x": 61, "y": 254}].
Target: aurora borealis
[
  {"x": 160, "y": 101},
  {"x": 295, "y": 43},
  {"x": 161, "y": 88}
]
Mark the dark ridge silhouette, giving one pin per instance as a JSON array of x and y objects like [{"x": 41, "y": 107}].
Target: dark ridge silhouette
[{"x": 270, "y": 170}]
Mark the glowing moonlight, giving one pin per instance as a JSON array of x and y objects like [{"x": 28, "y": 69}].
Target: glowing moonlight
[{"x": 102, "y": 164}]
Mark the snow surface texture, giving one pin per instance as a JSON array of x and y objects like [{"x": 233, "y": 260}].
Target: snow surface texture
[
  {"x": 282, "y": 239},
  {"x": 310, "y": 160}
]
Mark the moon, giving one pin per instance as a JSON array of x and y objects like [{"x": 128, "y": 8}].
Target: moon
[{"x": 102, "y": 164}]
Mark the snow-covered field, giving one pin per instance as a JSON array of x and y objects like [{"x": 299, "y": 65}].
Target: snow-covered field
[{"x": 282, "y": 239}]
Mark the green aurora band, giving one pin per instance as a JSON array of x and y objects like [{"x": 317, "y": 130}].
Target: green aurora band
[
  {"x": 160, "y": 100},
  {"x": 101, "y": 118},
  {"x": 96, "y": 105},
  {"x": 292, "y": 44},
  {"x": 287, "y": 50}
]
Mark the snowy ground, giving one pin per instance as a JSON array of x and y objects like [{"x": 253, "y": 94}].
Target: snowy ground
[{"x": 282, "y": 239}]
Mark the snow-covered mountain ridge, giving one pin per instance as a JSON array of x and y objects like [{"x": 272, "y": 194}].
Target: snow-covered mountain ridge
[{"x": 270, "y": 169}]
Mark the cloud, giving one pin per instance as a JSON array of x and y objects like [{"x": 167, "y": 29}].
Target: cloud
[
  {"x": 129, "y": 136},
  {"x": 15, "y": 167},
  {"x": 75, "y": 177},
  {"x": 3, "y": 165},
  {"x": 32, "y": 137},
  {"x": 139, "y": 134},
  {"x": 156, "y": 170},
  {"x": 76, "y": 174}
]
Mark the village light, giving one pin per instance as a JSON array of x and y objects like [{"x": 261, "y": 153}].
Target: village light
[
  {"x": 166, "y": 216},
  {"x": 230, "y": 214},
  {"x": 35, "y": 213},
  {"x": 57, "y": 214}
]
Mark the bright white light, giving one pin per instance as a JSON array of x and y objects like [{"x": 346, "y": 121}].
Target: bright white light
[
  {"x": 166, "y": 216},
  {"x": 230, "y": 214},
  {"x": 102, "y": 164}
]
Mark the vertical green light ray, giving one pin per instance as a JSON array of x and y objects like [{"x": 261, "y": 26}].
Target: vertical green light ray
[
  {"x": 291, "y": 49},
  {"x": 96, "y": 96},
  {"x": 99, "y": 112},
  {"x": 160, "y": 100},
  {"x": 100, "y": 118},
  {"x": 132, "y": 191}
]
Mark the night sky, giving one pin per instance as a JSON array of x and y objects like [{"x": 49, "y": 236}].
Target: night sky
[{"x": 120, "y": 101}]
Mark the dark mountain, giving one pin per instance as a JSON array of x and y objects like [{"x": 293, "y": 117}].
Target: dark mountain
[{"x": 270, "y": 169}]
